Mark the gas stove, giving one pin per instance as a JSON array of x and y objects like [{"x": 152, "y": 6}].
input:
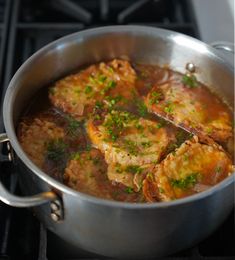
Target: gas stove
[{"x": 25, "y": 27}]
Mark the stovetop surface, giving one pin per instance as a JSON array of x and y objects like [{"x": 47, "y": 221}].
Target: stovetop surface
[{"x": 25, "y": 27}]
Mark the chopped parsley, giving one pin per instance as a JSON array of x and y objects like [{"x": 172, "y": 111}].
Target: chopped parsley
[
  {"x": 186, "y": 182},
  {"x": 72, "y": 126},
  {"x": 169, "y": 108},
  {"x": 96, "y": 160},
  {"x": 161, "y": 190},
  {"x": 150, "y": 176},
  {"x": 171, "y": 147},
  {"x": 97, "y": 117},
  {"x": 118, "y": 168},
  {"x": 186, "y": 157},
  {"x": 88, "y": 147},
  {"x": 134, "y": 169},
  {"x": 76, "y": 156},
  {"x": 115, "y": 122},
  {"x": 56, "y": 150},
  {"x": 88, "y": 157},
  {"x": 189, "y": 81},
  {"x": 146, "y": 144},
  {"x": 102, "y": 78},
  {"x": 218, "y": 169},
  {"x": 110, "y": 69},
  {"x": 155, "y": 97},
  {"x": 110, "y": 85},
  {"x": 88, "y": 89},
  {"x": 209, "y": 130},
  {"x": 113, "y": 100},
  {"x": 131, "y": 147},
  {"x": 99, "y": 105},
  {"x": 92, "y": 79},
  {"x": 129, "y": 190},
  {"x": 159, "y": 125},
  {"x": 142, "y": 109},
  {"x": 180, "y": 137},
  {"x": 139, "y": 127}
]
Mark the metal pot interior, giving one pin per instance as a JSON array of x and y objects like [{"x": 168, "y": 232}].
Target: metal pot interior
[{"x": 139, "y": 44}]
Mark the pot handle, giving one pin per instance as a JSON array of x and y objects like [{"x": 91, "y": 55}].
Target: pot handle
[
  {"x": 30, "y": 201},
  {"x": 225, "y": 46},
  {"x": 22, "y": 202}
]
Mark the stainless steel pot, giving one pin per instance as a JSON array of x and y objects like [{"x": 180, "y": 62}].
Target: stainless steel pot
[{"x": 109, "y": 228}]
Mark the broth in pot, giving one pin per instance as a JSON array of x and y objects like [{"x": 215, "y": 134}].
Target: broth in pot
[{"x": 130, "y": 132}]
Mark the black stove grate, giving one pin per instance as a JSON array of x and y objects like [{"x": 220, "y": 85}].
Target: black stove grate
[
  {"x": 26, "y": 26},
  {"x": 36, "y": 23},
  {"x": 4, "y": 19}
]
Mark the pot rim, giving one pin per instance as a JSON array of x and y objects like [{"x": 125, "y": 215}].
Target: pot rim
[{"x": 10, "y": 130}]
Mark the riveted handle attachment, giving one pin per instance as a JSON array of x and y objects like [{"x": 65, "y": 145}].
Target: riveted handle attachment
[{"x": 31, "y": 201}]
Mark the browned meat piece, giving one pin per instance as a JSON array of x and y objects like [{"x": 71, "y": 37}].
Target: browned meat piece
[
  {"x": 111, "y": 82},
  {"x": 194, "y": 167},
  {"x": 194, "y": 108},
  {"x": 86, "y": 172},
  {"x": 35, "y": 136},
  {"x": 131, "y": 176},
  {"x": 128, "y": 140}
]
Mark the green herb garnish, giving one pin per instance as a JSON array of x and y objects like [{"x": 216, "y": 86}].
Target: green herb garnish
[
  {"x": 88, "y": 89},
  {"x": 146, "y": 144},
  {"x": 155, "y": 97},
  {"x": 218, "y": 169},
  {"x": 113, "y": 100},
  {"x": 139, "y": 127},
  {"x": 115, "y": 122},
  {"x": 110, "y": 69},
  {"x": 76, "y": 156},
  {"x": 97, "y": 117},
  {"x": 209, "y": 130},
  {"x": 186, "y": 157},
  {"x": 134, "y": 169},
  {"x": 88, "y": 147},
  {"x": 102, "y": 78},
  {"x": 190, "y": 81},
  {"x": 111, "y": 84},
  {"x": 169, "y": 108},
  {"x": 159, "y": 125},
  {"x": 161, "y": 190},
  {"x": 118, "y": 168},
  {"x": 56, "y": 149},
  {"x": 131, "y": 147},
  {"x": 72, "y": 126},
  {"x": 92, "y": 79},
  {"x": 129, "y": 190},
  {"x": 150, "y": 176},
  {"x": 99, "y": 105},
  {"x": 180, "y": 137},
  {"x": 142, "y": 109},
  {"x": 186, "y": 182}
]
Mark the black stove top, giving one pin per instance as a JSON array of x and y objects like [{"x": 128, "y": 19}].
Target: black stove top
[{"x": 26, "y": 26}]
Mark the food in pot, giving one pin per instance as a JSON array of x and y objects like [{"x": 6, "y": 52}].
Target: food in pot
[
  {"x": 36, "y": 136},
  {"x": 116, "y": 130},
  {"x": 129, "y": 140},
  {"x": 77, "y": 94},
  {"x": 86, "y": 172},
  {"x": 188, "y": 103},
  {"x": 192, "y": 168}
]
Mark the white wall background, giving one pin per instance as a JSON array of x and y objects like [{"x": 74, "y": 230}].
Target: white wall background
[{"x": 215, "y": 19}]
